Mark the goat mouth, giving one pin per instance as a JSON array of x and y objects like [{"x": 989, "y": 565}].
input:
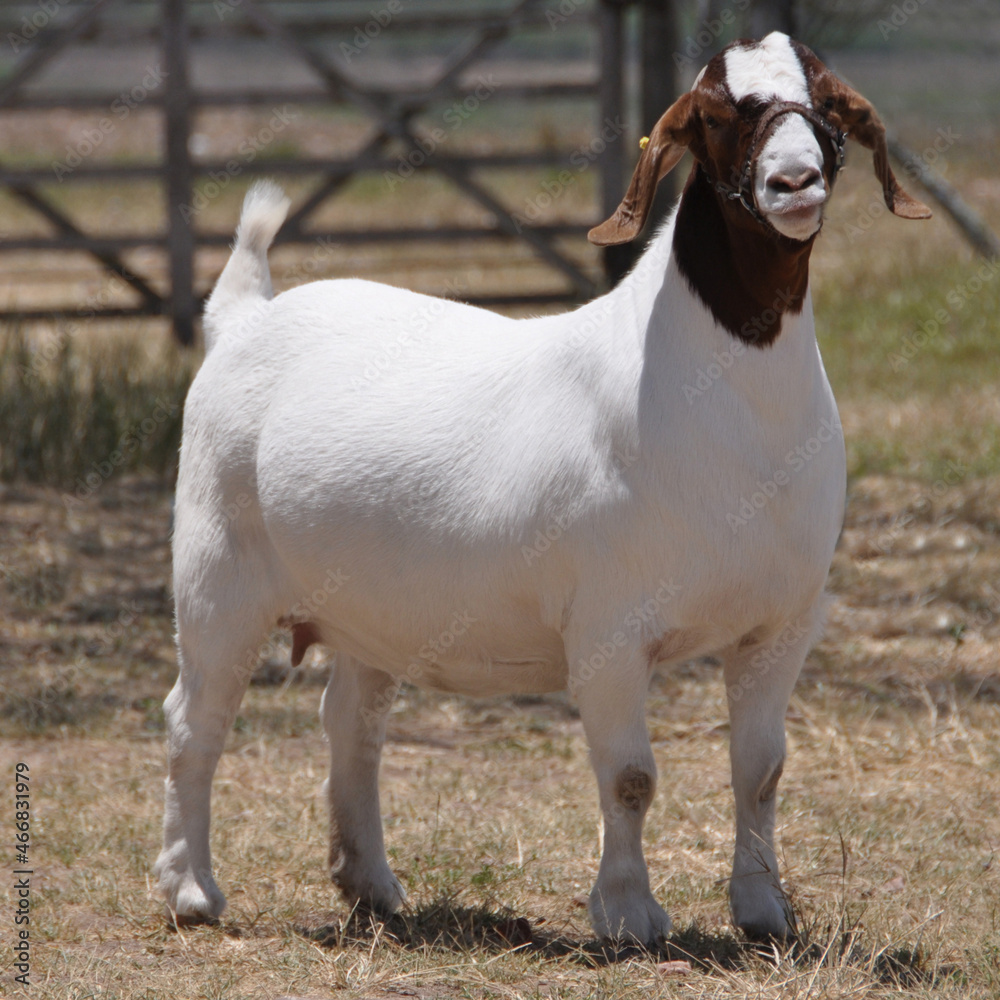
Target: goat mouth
[
  {"x": 798, "y": 209},
  {"x": 797, "y": 220},
  {"x": 799, "y": 206},
  {"x": 794, "y": 220}
]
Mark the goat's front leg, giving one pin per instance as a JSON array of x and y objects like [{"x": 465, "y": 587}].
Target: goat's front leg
[
  {"x": 610, "y": 685},
  {"x": 759, "y": 682},
  {"x": 355, "y": 707}
]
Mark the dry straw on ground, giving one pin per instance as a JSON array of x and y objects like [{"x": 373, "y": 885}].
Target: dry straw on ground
[{"x": 888, "y": 814}]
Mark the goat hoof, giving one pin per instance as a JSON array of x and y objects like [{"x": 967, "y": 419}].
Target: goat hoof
[
  {"x": 179, "y": 921},
  {"x": 764, "y": 919},
  {"x": 636, "y": 919},
  {"x": 757, "y": 935},
  {"x": 197, "y": 904},
  {"x": 190, "y": 900},
  {"x": 383, "y": 895}
]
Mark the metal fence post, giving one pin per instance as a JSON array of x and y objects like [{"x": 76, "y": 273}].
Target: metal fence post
[
  {"x": 660, "y": 86},
  {"x": 611, "y": 27},
  {"x": 180, "y": 237}
]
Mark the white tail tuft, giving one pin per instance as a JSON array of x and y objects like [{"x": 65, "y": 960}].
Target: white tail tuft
[
  {"x": 264, "y": 209},
  {"x": 247, "y": 277}
]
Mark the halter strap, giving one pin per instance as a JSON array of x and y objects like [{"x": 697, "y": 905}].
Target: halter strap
[{"x": 744, "y": 192}]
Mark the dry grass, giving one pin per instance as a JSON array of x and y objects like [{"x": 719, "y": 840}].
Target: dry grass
[{"x": 888, "y": 816}]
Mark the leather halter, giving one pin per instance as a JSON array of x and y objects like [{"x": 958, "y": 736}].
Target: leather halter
[{"x": 744, "y": 192}]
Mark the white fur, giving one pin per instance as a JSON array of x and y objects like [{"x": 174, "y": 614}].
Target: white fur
[
  {"x": 485, "y": 505},
  {"x": 769, "y": 68}
]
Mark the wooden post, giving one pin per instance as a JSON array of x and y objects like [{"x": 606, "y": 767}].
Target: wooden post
[
  {"x": 660, "y": 86},
  {"x": 176, "y": 108},
  {"x": 766, "y": 16},
  {"x": 615, "y": 159}
]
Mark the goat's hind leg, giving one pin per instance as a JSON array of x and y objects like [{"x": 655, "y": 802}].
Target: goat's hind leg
[
  {"x": 217, "y": 645},
  {"x": 355, "y": 707}
]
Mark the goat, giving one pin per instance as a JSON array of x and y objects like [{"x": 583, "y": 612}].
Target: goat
[{"x": 535, "y": 481}]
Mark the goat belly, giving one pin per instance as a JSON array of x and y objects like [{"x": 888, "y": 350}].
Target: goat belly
[
  {"x": 478, "y": 650},
  {"x": 494, "y": 677}
]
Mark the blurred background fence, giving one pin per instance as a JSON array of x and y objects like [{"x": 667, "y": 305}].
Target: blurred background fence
[
  {"x": 325, "y": 94},
  {"x": 450, "y": 147}
]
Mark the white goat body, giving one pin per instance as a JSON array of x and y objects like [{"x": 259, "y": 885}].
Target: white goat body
[
  {"x": 483, "y": 505},
  {"x": 526, "y": 473}
]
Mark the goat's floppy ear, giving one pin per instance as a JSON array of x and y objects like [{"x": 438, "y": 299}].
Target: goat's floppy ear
[
  {"x": 667, "y": 144},
  {"x": 861, "y": 122}
]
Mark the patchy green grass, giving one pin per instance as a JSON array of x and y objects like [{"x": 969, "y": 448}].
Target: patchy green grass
[
  {"x": 914, "y": 361},
  {"x": 78, "y": 414},
  {"x": 908, "y": 320}
]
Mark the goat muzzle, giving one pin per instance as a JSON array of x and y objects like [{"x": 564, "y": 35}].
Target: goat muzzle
[{"x": 743, "y": 191}]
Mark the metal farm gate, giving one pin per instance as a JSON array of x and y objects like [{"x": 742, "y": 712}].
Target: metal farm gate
[{"x": 314, "y": 33}]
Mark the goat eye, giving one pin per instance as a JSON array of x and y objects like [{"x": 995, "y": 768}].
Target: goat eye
[
  {"x": 828, "y": 104},
  {"x": 710, "y": 121}
]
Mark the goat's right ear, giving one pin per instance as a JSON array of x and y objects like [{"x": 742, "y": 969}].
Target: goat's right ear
[{"x": 667, "y": 144}]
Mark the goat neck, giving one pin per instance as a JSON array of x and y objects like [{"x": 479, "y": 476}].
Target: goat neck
[{"x": 747, "y": 274}]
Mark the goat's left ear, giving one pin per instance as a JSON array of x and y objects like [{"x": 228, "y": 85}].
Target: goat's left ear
[
  {"x": 667, "y": 144},
  {"x": 861, "y": 121}
]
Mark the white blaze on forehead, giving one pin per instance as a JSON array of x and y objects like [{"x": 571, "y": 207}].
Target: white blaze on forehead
[{"x": 769, "y": 68}]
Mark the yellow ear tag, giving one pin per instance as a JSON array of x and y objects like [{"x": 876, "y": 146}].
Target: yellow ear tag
[{"x": 644, "y": 142}]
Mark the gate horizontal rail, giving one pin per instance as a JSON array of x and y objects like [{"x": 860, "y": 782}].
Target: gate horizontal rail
[{"x": 294, "y": 27}]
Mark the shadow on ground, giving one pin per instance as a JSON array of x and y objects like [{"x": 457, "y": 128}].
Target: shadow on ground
[{"x": 443, "y": 925}]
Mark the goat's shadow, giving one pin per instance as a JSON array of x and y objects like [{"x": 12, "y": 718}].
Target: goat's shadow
[{"x": 446, "y": 926}]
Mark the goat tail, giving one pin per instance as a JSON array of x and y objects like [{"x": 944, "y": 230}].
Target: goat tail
[{"x": 247, "y": 277}]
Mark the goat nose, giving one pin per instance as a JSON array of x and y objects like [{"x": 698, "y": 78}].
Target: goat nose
[{"x": 786, "y": 184}]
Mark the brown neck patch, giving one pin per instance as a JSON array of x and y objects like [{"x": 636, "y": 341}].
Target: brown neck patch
[{"x": 748, "y": 276}]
